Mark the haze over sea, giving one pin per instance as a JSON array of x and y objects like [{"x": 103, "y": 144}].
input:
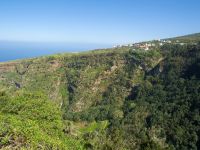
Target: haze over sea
[{"x": 20, "y": 50}]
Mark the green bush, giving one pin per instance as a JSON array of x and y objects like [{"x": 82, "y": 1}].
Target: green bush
[{"x": 31, "y": 121}]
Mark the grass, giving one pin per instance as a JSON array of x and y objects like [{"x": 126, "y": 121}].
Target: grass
[{"x": 94, "y": 126}]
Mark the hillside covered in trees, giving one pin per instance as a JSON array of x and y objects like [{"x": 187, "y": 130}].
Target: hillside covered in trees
[{"x": 114, "y": 99}]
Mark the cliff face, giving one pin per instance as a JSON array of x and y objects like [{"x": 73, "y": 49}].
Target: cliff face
[{"x": 79, "y": 81}]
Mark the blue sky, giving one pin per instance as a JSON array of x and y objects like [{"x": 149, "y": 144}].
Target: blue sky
[{"x": 96, "y": 21}]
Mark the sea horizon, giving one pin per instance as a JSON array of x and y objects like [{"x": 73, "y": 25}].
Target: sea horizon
[{"x": 10, "y": 51}]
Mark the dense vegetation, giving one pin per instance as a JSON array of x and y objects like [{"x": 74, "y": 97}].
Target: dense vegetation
[
  {"x": 30, "y": 121},
  {"x": 118, "y": 98}
]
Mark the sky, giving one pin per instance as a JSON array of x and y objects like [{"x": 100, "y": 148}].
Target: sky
[{"x": 96, "y": 21}]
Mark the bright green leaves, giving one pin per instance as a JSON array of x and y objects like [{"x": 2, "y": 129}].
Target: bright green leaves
[{"x": 31, "y": 121}]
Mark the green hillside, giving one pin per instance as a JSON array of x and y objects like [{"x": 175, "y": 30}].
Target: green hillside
[
  {"x": 120, "y": 98},
  {"x": 188, "y": 38}
]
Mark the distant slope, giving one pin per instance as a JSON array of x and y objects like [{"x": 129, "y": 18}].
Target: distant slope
[{"x": 188, "y": 38}]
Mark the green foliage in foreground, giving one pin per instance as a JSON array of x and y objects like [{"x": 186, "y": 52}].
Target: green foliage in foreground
[{"x": 30, "y": 121}]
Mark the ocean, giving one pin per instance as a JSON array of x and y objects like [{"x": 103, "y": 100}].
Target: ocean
[{"x": 21, "y": 50}]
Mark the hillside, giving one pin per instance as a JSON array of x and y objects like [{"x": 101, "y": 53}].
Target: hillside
[
  {"x": 120, "y": 98},
  {"x": 188, "y": 38}
]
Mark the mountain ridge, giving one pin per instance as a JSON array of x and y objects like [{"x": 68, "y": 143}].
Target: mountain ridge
[{"x": 194, "y": 37}]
